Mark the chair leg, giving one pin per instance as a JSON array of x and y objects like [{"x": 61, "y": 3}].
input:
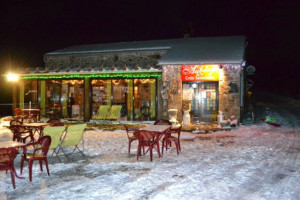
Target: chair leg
[
  {"x": 47, "y": 167},
  {"x": 12, "y": 175},
  {"x": 41, "y": 165},
  {"x": 129, "y": 144},
  {"x": 65, "y": 154},
  {"x": 177, "y": 146},
  {"x": 30, "y": 169},
  {"x": 163, "y": 144},
  {"x": 79, "y": 150},
  {"x": 22, "y": 164},
  {"x": 55, "y": 155},
  {"x": 151, "y": 151},
  {"x": 138, "y": 153},
  {"x": 158, "y": 150}
]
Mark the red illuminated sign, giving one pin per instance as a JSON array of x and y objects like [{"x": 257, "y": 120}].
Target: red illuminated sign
[{"x": 200, "y": 72}]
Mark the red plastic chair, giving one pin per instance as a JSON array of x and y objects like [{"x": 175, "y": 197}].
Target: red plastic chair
[
  {"x": 147, "y": 139},
  {"x": 20, "y": 133},
  {"x": 131, "y": 137},
  {"x": 162, "y": 122},
  {"x": 42, "y": 145},
  {"x": 7, "y": 157},
  {"x": 169, "y": 138},
  {"x": 18, "y": 114}
]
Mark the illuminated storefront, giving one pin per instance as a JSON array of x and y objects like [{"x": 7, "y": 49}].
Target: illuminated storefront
[
  {"x": 200, "y": 91},
  {"x": 194, "y": 75},
  {"x": 70, "y": 99}
]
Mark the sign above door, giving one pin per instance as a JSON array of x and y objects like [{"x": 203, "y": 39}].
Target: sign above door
[{"x": 200, "y": 72}]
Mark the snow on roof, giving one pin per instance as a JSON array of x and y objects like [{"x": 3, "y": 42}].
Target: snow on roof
[
  {"x": 206, "y": 50},
  {"x": 200, "y": 50},
  {"x": 114, "y": 47}
]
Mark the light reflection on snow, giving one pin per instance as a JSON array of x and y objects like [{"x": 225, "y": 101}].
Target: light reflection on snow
[{"x": 251, "y": 162}]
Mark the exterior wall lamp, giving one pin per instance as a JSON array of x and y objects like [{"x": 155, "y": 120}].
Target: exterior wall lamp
[{"x": 11, "y": 77}]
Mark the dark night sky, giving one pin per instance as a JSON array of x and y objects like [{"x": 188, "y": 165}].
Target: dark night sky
[{"x": 28, "y": 29}]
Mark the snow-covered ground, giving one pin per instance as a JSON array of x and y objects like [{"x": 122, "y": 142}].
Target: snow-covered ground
[{"x": 251, "y": 162}]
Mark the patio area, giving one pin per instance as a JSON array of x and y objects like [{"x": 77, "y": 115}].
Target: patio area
[{"x": 251, "y": 162}]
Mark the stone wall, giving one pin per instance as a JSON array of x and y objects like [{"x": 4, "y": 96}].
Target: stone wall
[
  {"x": 129, "y": 58},
  {"x": 172, "y": 84},
  {"x": 229, "y": 101}
]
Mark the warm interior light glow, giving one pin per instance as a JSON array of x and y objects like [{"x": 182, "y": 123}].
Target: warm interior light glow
[
  {"x": 12, "y": 77},
  {"x": 144, "y": 81},
  {"x": 73, "y": 82},
  {"x": 98, "y": 81},
  {"x": 116, "y": 82}
]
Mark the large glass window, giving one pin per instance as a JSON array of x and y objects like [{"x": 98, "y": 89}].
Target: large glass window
[
  {"x": 119, "y": 95},
  {"x": 100, "y": 94},
  {"x": 144, "y": 97},
  {"x": 31, "y": 94},
  {"x": 65, "y": 98},
  {"x": 132, "y": 94},
  {"x": 73, "y": 99},
  {"x": 53, "y": 96}
]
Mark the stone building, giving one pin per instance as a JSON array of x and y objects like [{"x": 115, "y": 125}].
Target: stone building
[{"x": 200, "y": 75}]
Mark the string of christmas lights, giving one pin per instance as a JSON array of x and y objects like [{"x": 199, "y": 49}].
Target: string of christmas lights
[{"x": 98, "y": 75}]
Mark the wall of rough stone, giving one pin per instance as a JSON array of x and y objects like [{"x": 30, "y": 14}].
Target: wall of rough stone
[
  {"x": 129, "y": 58},
  {"x": 229, "y": 102},
  {"x": 171, "y": 76}
]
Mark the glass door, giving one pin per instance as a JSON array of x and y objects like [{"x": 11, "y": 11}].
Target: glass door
[{"x": 201, "y": 98}]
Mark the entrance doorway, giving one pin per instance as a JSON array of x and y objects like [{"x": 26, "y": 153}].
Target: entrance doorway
[{"x": 202, "y": 100}]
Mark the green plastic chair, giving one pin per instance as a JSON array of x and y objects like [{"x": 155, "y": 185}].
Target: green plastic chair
[
  {"x": 102, "y": 112},
  {"x": 55, "y": 132},
  {"x": 115, "y": 112},
  {"x": 73, "y": 137}
]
